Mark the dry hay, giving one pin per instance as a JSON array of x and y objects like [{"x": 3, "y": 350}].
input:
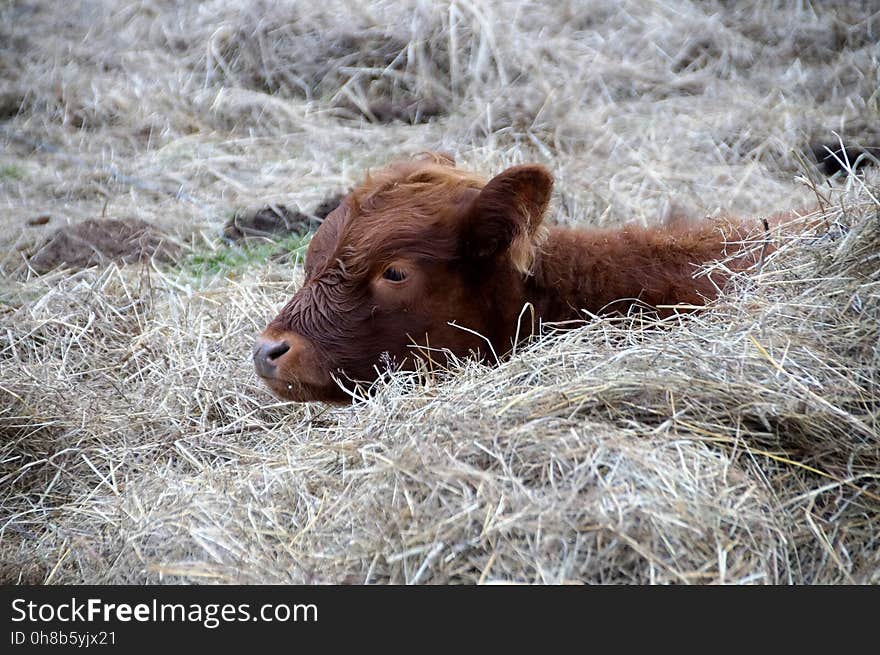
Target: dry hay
[{"x": 738, "y": 445}]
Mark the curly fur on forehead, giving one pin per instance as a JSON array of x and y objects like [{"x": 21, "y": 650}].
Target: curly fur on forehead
[
  {"x": 406, "y": 209},
  {"x": 430, "y": 183},
  {"x": 414, "y": 208}
]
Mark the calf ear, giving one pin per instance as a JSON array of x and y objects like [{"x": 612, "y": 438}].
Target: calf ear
[{"x": 507, "y": 214}]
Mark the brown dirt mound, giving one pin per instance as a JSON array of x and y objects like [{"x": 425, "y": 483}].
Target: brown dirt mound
[
  {"x": 832, "y": 157},
  {"x": 327, "y": 205},
  {"x": 277, "y": 221},
  {"x": 27, "y": 573},
  {"x": 99, "y": 241},
  {"x": 11, "y": 101}
]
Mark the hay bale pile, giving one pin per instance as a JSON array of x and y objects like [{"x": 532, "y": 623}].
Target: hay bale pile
[{"x": 737, "y": 445}]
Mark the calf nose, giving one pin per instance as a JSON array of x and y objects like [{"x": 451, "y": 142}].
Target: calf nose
[{"x": 267, "y": 352}]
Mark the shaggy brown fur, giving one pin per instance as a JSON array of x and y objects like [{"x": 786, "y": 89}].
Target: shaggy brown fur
[{"x": 423, "y": 258}]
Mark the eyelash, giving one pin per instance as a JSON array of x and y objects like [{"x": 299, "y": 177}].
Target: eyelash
[{"x": 394, "y": 274}]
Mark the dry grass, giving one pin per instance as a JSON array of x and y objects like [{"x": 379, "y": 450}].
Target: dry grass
[{"x": 738, "y": 445}]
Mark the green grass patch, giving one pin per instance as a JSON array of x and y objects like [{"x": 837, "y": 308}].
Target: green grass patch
[
  {"x": 236, "y": 257},
  {"x": 11, "y": 172}
]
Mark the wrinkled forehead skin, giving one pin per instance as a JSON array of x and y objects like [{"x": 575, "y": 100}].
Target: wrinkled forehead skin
[{"x": 326, "y": 240}]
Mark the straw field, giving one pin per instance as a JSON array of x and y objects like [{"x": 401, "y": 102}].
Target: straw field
[{"x": 735, "y": 445}]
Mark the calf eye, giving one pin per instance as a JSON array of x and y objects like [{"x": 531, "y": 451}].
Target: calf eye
[{"x": 394, "y": 274}]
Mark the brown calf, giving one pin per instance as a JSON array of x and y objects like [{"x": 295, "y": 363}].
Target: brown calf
[{"x": 423, "y": 257}]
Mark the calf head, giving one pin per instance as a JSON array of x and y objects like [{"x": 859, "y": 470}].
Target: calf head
[{"x": 420, "y": 260}]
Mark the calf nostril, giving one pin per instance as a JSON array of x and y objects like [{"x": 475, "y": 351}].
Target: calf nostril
[
  {"x": 266, "y": 356},
  {"x": 275, "y": 351}
]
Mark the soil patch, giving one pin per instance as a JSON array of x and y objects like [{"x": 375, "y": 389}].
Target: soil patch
[
  {"x": 96, "y": 242},
  {"x": 832, "y": 157},
  {"x": 277, "y": 221}
]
